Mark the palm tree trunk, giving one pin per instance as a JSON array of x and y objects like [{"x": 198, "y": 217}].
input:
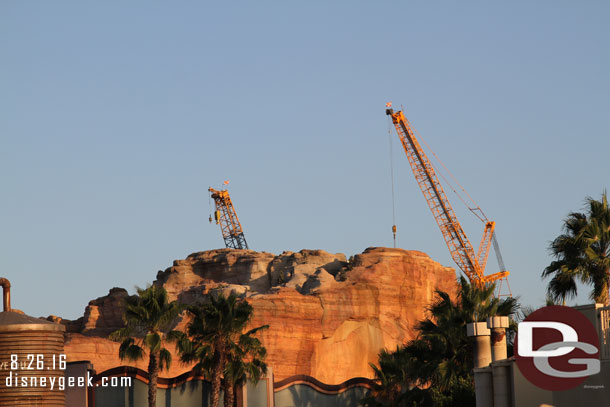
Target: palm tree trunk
[
  {"x": 216, "y": 380},
  {"x": 606, "y": 294},
  {"x": 229, "y": 390},
  {"x": 153, "y": 372},
  {"x": 601, "y": 287}
]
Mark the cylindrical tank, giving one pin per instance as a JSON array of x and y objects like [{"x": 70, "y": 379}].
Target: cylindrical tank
[{"x": 32, "y": 359}]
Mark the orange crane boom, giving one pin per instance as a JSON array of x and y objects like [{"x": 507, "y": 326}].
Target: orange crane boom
[
  {"x": 459, "y": 246},
  {"x": 226, "y": 217}
]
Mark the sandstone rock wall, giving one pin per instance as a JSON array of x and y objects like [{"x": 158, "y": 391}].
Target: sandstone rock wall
[{"x": 328, "y": 317}]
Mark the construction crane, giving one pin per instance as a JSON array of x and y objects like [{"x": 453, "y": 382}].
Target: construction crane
[
  {"x": 226, "y": 217},
  {"x": 462, "y": 252}
]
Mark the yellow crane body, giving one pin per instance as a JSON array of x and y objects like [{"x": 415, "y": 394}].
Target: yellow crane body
[
  {"x": 226, "y": 217},
  {"x": 459, "y": 246}
]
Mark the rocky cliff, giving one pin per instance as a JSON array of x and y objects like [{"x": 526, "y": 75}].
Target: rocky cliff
[{"x": 328, "y": 316}]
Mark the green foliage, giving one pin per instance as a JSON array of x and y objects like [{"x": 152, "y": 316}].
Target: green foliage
[
  {"x": 218, "y": 344},
  {"x": 458, "y": 393},
  {"x": 435, "y": 369},
  {"x": 392, "y": 376},
  {"x": 582, "y": 253},
  {"x": 148, "y": 318}
]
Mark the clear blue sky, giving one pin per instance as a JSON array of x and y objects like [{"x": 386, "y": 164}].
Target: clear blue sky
[{"x": 115, "y": 117}]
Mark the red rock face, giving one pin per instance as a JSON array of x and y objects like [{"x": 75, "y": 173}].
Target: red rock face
[{"x": 328, "y": 318}]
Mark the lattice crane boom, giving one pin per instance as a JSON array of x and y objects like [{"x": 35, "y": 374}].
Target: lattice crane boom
[
  {"x": 459, "y": 246},
  {"x": 226, "y": 217},
  {"x": 485, "y": 245}
]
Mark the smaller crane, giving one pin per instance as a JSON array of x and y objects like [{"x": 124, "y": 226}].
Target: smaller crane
[{"x": 226, "y": 217}]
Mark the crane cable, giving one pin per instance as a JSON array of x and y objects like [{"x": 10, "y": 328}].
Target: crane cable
[
  {"x": 474, "y": 209},
  {"x": 482, "y": 217},
  {"x": 392, "y": 181},
  {"x": 210, "y": 205}
]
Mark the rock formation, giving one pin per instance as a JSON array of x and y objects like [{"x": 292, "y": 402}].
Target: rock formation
[{"x": 328, "y": 317}]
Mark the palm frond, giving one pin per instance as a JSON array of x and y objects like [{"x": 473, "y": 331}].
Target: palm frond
[
  {"x": 217, "y": 332},
  {"x": 130, "y": 350},
  {"x": 582, "y": 253},
  {"x": 165, "y": 359}
]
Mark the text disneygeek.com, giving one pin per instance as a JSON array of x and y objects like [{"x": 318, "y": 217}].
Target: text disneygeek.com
[{"x": 23, "y": 373}]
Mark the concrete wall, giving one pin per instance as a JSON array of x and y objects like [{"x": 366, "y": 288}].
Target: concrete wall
[
  {"x": 195, "y": 394},
  {"x": 595, "y": 391},
  {"x": 258, "y": 395},
  {"x": 77, "y": 396},
  {"x": 301, "y": 395},
  {"x": 525, "y": 393},
  {"x": 190, "y": 390},
  {"x": 188, "y": 394}
]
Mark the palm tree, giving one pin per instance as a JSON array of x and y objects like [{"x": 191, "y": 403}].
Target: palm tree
[
  {"x": 244, "y": 362},
  {"x": 148, "y": 317},
  {"x": 582, "y": 253},
  {"x": 436, "y": 367},
  {"x": 220, "y": 346},
  {"x": 391, "y": 378},
  {"x": 442, "y": 345}
]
